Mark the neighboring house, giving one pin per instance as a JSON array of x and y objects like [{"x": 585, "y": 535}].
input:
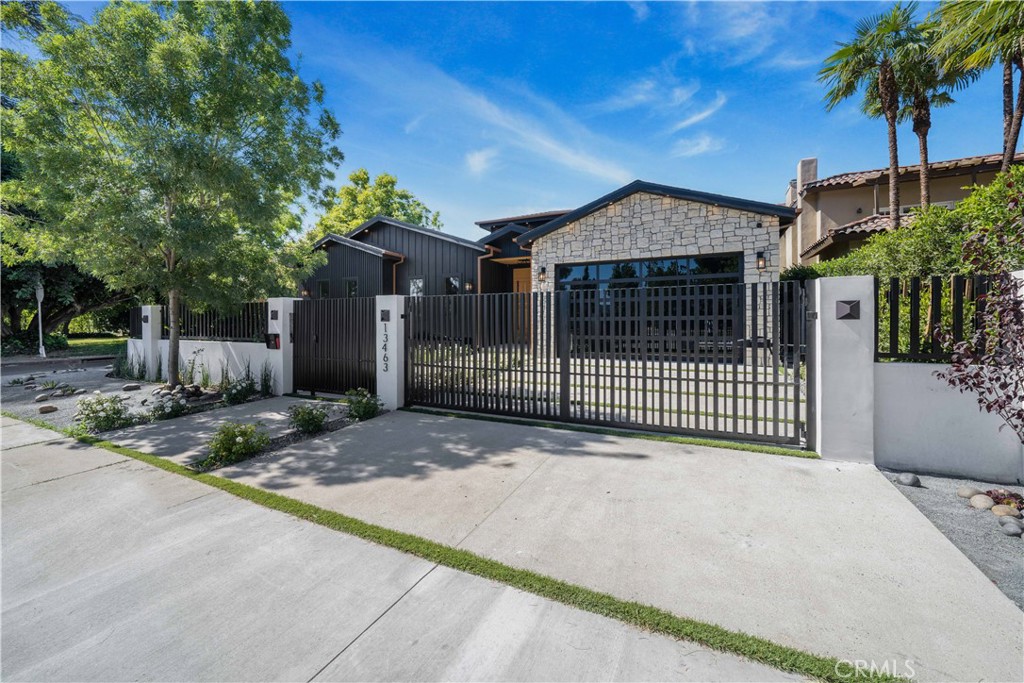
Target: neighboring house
[
  {"x": 838, "y": 213},
  {"x": 644, "y": 234},
  {"x": 389, "y": 256}
]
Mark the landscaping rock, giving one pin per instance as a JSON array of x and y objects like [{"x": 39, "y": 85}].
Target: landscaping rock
[
  {"x": 1005, "y": 511},
  {"x": 982, "y": 502},
  {"x": 165, "y": 393},
  {"x": 968, "y": 492},
  {"x": 131, "y": 387},
  {"x": 143, "y": 401},
  {"x": 1011, "y": 529},
  {"x": 41, "y": 397},
  {"x": 80, "y": 391},
  {"x": 29, "y": 387},
  {"x": 48, "y": 408},
  {"x": 1011, "y": 521},
  {"x": 908, "y": 479}
]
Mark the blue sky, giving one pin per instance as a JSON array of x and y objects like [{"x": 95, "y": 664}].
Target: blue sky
[{"x": 492, "y": 109}]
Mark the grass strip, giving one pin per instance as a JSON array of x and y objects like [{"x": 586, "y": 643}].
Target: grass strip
[
  {"x": 607, "y": 431},
  {"x": 638, "y": 614}
]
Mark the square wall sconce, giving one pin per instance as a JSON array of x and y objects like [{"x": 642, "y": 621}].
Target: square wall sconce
[
  {"x": 543, "y": 274},
  {"x": 762, "y": 261}
]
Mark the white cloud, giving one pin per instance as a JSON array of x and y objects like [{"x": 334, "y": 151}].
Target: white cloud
[
  {"x": 414, "y": 124},
  {"x": 703, "y": 114},
  {"x": 640, "y": 10},
  {"x": 696, "y": 145},
  {"x": 478, "y": 161},
  {"x": 657, "y": 90},
  {"x": 745, "y": 31}
]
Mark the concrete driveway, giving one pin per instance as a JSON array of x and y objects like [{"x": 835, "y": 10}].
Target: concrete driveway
[
  {"x": 115, "y": 570},
  {"x": 822, "y": 556}
]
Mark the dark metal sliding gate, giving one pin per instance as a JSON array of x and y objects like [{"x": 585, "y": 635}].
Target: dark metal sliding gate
[
  {"x": 722, "y": 360},
  {"x": 334, "y": 345}
]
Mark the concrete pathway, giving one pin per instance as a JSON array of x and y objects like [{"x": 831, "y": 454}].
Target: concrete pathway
[
  {"x": 823, "y": 556},
  {"x": 184, "y": 439},
  {"x": 114, "y": 570}
]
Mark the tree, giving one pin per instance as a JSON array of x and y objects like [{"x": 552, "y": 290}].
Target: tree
[
  {"x": 868, "y": 63},
  {"x": 360, "y": 201},
  {"x": 164, "y": 145},
  {"x": 978, "y": 35}
]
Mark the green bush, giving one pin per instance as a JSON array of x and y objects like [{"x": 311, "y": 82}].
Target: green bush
[
  {"x": 234, "y": 442},
  {"x": 267, "y": 379},
  {"x": 129, "y": 367},
  {"x": 307, "y": 419},
  {"x": 362, "y": 405},
  {"x": 168, "y": 407},
  {"x": 27, "y": 342},
  {"x": 103, "y": 413},
  {"x": 240, "y": 391}
]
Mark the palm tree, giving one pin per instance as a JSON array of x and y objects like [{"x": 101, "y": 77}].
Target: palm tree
[
  {"x": 977, "y": 35},
  {"x": 868, "y": 63},
  {"x": 924, "y": 84}
]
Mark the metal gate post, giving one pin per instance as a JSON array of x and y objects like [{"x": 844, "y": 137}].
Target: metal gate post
[{"x": 562, "y": 343}]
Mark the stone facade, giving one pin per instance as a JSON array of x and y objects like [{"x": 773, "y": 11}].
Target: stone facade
[{"x": 645, "y": 225}]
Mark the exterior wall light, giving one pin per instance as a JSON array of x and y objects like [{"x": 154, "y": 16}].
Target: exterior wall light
[
  {"x": 543, "y": 274},
  {"x": 762, "y": 261},
  {"x": 469, "y": 285},
  {"x": 304, "y": 293}
]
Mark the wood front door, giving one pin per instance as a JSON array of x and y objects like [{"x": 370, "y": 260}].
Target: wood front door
[{"x": 521, "y": 280}]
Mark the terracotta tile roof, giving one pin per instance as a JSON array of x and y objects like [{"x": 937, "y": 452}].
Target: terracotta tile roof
[
  {"x": 856, "y": 178},
  {"x": 862, "y": 226}
]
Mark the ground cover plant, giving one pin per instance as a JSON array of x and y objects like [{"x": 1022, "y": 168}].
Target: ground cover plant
[
  {"x": 362, "y": 405},
  {"x": 235, "y": 442},
  {"x": 101, "y": 413},
  {"x": 307, "y": 419}
]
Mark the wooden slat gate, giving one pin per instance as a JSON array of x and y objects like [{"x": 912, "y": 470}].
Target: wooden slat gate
[
  {"x": 719, "y": 360},
  {"x": 334, "y": 345}
]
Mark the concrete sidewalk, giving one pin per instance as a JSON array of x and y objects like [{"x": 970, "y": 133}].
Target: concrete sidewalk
[
  {"x": 114, "y": 570},
  {"x": 822, "y": 556}
]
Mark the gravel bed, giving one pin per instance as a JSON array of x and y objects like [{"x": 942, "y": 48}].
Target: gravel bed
[
  {"x": 975, "y": 532},
  {"x": 20, "y": 401}
]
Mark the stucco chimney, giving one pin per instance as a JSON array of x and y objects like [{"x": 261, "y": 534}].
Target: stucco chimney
[
  {"x": 806, "y": 221},
  {"x": 806, "y": 171}
]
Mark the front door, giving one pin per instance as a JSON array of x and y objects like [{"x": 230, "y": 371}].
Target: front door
[{"x": 521, "y": 280}]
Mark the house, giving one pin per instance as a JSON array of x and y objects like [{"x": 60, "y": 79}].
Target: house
[
  {"x": 640, "y": 235},
  {"x": 645, "y": 234},
  {"x": 389, "y": 256},
  {"x": 838, "y": 213}
]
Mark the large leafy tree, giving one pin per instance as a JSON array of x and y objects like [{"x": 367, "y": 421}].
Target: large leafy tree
[
  {"x": 164, "y": 145},
  {"x": 361, "y": 200},
  {"x": 868, "y": 64},
  {"x": 978, "y": 35}
]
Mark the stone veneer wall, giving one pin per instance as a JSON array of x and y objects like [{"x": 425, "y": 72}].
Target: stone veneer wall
[{"x": 651, "y": 226}]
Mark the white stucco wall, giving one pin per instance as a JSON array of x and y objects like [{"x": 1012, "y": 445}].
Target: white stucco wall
[
  {"x": 217, "y": 354},
  {"x": 923, "y": 425},
  {"x": 645, "y": 225}
]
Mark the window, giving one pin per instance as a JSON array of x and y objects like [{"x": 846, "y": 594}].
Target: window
[
  {"x": 415, "y": 286},
  {"x": 323, "y": 289},
  {"x": 659, "y": 272},
  {"x": 453, "y": 284},
  {"x": 350, "y": 287}
]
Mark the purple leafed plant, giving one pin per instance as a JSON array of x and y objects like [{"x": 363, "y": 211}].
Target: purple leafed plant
[{"x": 990, "y": 362}]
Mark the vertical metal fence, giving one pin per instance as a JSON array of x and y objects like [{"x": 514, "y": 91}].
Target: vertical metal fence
[
  {"x": 919, "y": 319},
  {"x": 248, "y": 324},
  {"x": 135, "y": 323}
]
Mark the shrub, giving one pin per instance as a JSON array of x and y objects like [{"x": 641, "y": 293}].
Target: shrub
[
  {"x": 307, "y": 419},
  {"x": 102, "y": 413},
  {"x": 362, "y": 405},
  {"x": 168, "y": 407},
  {"x": 27, "y": 342},
  {"x": 240, "y": 391},
  {"x": 234, "y": 442},
  {"x": 129, "y": 367},
  {"x": 267, "y": 379}
]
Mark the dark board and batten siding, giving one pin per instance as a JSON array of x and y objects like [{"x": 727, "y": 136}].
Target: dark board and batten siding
[
  {"x": 345, "y": 262},
  {"x": 430, "y": 257}
]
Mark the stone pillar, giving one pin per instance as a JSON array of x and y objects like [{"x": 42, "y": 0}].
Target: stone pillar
[
  {"x": 844, "y": 377},
  {"x": 151, "y": 319},
  {"x": 280, "y": 311},
  {"x": 391, "y": 350}
]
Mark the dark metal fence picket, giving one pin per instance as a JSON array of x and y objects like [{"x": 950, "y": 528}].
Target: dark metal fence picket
[
  {"x": 334, "y": 345},
  {"x": 248, "y": 324}
]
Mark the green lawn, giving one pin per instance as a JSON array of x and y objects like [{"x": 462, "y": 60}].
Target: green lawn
[{"x": 91, "y": 346}]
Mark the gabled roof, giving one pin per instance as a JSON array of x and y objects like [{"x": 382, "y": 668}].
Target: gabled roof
[
  {"x": 986, "y": 162},
  {"x": 862, "y": 226},
  {"x": 525, "y": 218},
  {"x": 430, "y": 232},
  {"x": 362, "y": 246},
  {"x": 514, "y": 229},
  {"x": 762, "y": 208}
]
